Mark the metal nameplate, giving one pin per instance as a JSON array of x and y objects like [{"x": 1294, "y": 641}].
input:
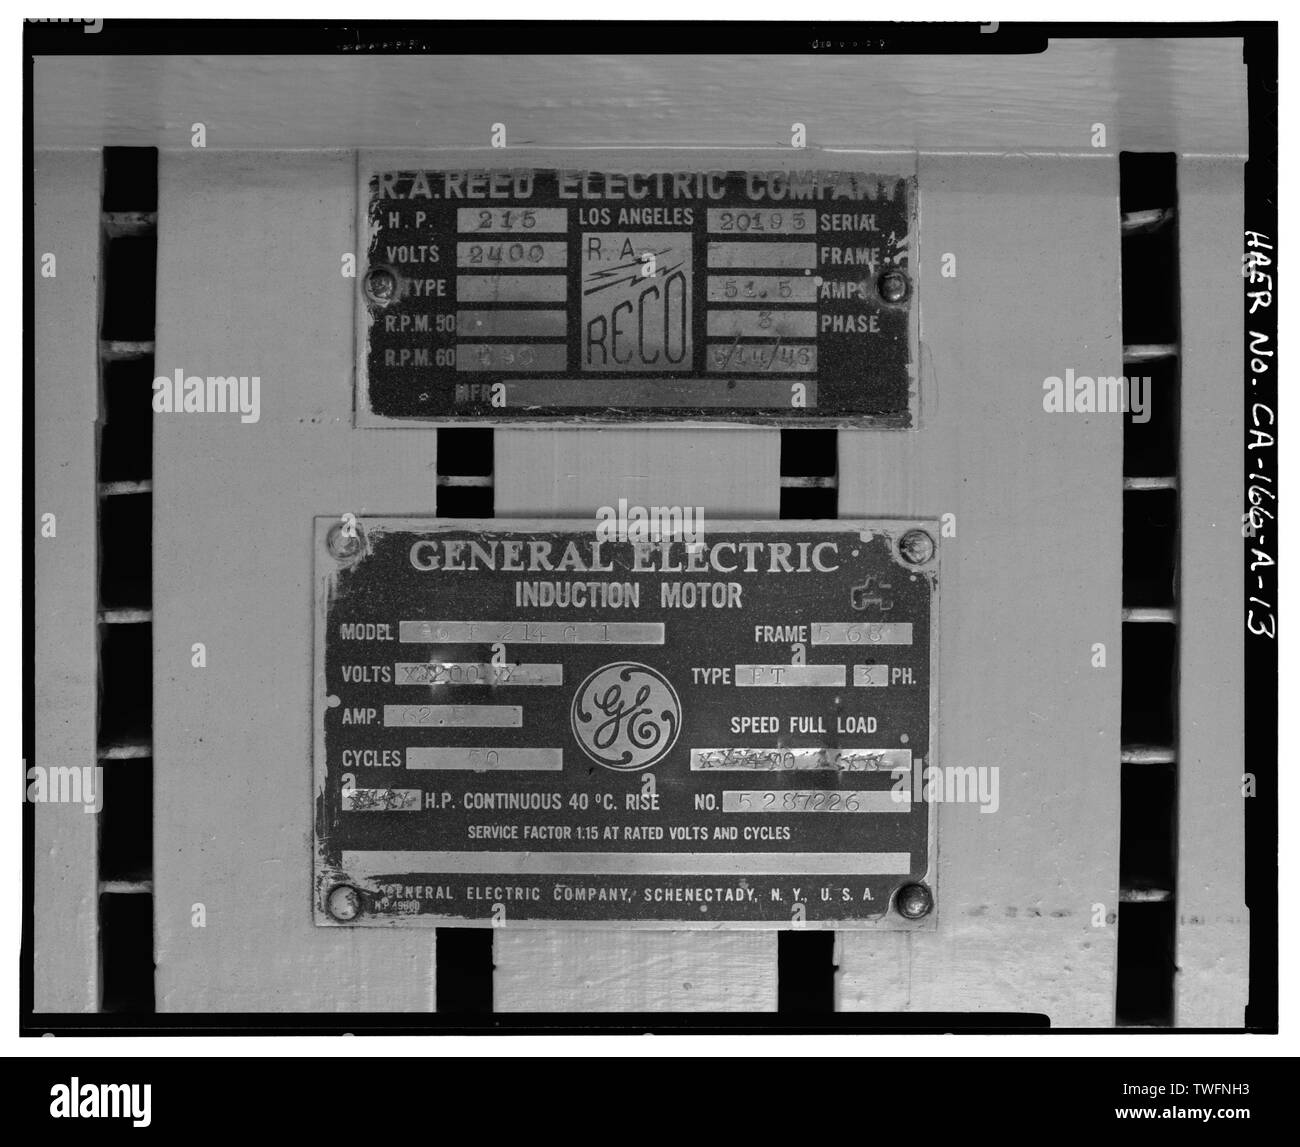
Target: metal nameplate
[
  {"x": 549, "y": 295},
  {"x": 527, "y": 722}
]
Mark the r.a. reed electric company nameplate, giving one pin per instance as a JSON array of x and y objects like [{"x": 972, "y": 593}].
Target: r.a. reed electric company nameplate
[
  {"x": 780, "y": 296},
  {"x": 527, "y": 722}
]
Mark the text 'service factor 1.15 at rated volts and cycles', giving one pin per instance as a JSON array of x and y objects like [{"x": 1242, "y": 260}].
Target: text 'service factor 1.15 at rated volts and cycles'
[{"x": 532, "y": 721}]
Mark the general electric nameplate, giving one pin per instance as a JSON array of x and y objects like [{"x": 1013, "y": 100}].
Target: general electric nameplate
[
  {"x": 728, "y": 724},
  {"x": 778, "y": 296}
]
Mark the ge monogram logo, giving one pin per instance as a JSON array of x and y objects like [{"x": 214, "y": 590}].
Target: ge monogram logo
[{"x": 626, "y": 716}]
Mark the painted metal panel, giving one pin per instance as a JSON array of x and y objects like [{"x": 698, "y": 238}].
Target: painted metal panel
[
  {"x": 1212, "y": 922},
  {"x": 1036, "y": 292},
  {"x": 1152, "y": 94},
  {"x": 66, "y": 908},
  {"x": 249, "y": 284},
  {"x": 1068, "y": 735},
  {"x": 571, "y": 473}
]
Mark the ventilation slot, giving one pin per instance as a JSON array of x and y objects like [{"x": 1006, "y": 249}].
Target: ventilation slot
[
  {"x": 126, "y": 948},
  {"x": 465, "y": 473},
  {"x": 805, "y": 961},
  {"x": 465, "y": 490},
  {"x": 465, "y": 969},
  {"x": 1148, "y": 722},
  {"x": 126, "y": 426},
  {"x": 805, "y": 972},
  {"x": 128, "y": 247},
  {"x": 809, "y": 474}
]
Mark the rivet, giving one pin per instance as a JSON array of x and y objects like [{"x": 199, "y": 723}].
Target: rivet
[
  {"x": 913, "y": 901},
  {"x": 343, "y": 544},
  {"x": 381, "y": 285},
  {"x": 893, "y": 285},
  {"x": 343, "y": 903},
  {"x": 916, "y": 547}
]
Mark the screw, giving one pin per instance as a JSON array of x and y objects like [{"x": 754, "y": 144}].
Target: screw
[
  {"x": 893, "y": 286},
  {"x": 916, "y": 547},
  {"x": 341, "y": 545},
  {"x": 913, "y": 901},
  {"x": 381, "y": 285},
  {"x": 343, "y": 903}
]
